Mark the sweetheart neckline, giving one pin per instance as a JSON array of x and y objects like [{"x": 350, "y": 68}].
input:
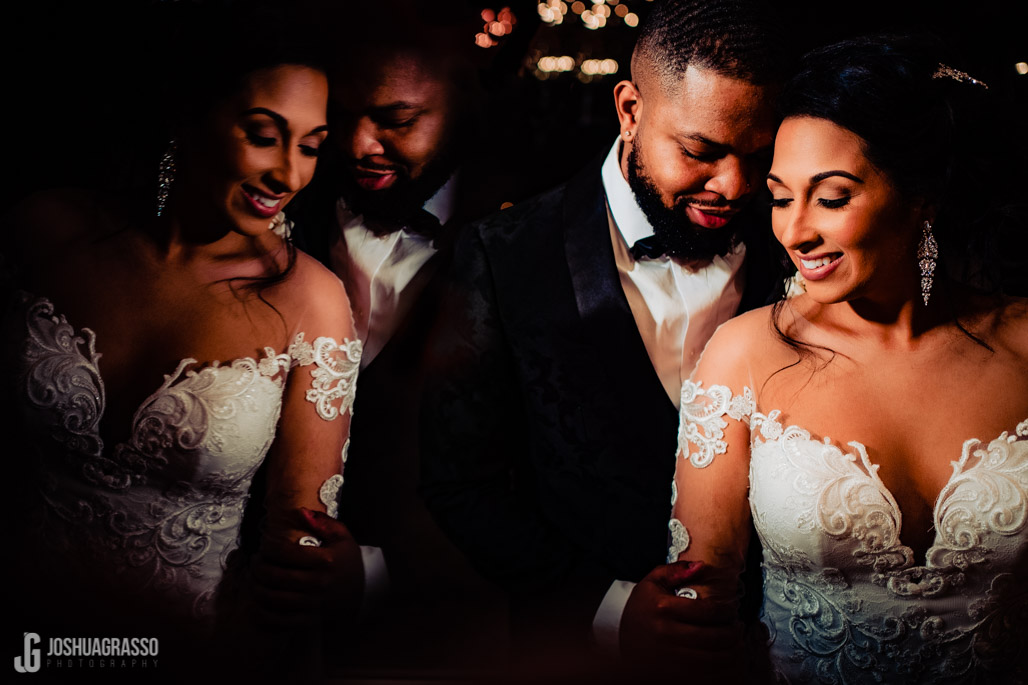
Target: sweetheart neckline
[
  {"x": 744, "y": 406},
  {"x": 180, "y": 375},
  {"x": 870, "y": 472}
]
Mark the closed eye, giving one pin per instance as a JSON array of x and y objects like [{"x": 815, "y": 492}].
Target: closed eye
[
  {"x": 780, "y": 202},
  {"x": 259, "y": 140},
  {"x": 701, "y": 157},
  {"x": 833, "y": 203}
]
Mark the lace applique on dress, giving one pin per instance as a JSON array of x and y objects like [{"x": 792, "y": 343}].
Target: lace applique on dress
[
  {"x": 679, "y": 540},
  {"x": 63, "y": 376},
  {"x": 334, "y": 375},
  {"x": 701, "y": 419},
  {"x": 152, "y": 520},
  {"x": 844, "y": 599}
]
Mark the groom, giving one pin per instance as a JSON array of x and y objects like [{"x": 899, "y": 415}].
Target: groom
[
  {"x": 388, "y": 197},
  {"x": 550, "y": 419}
]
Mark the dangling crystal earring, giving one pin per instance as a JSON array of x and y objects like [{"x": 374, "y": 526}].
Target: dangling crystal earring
[
  {"x": 927, "y": 253},
  {"x": 166, "y": 176}
]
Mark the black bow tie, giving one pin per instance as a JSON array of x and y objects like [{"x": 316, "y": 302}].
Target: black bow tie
[
  {"x": 649, "y": 248},
  {"x": 424, "y": 223},
  {"x": 421, "y": 222}
]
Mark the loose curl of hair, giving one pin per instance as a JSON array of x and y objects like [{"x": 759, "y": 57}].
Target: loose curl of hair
[{"x": 934, "y": 138}]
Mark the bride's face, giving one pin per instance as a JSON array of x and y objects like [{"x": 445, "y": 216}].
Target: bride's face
[
  {"x": 846, "y": 227},
  {"x": 259, "y": 148}
]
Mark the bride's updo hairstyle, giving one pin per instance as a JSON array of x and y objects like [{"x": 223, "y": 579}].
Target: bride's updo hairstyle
[{"x": 930, "y": 128}]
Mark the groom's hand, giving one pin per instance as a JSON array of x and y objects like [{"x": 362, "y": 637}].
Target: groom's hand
[
  {"x": 296, "y": 584},
  {"x": 661, "y": 630}
]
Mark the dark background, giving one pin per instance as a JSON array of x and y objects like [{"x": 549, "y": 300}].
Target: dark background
[{"x": 85, "y": 81}]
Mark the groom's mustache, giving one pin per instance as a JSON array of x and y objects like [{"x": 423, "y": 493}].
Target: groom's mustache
[
  {"x": 720, "y": 203},
  {"x": 368, "y": 165}
]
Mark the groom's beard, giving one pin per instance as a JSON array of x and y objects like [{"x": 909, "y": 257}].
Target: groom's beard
[
  {"x": 679, "y": 236},
  {"x": 390, "y": 209}
]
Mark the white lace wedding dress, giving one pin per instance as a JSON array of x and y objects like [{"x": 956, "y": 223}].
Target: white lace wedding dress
[
  {"x": 845, "y": 600},
  {"x": 143, "y": 528}
]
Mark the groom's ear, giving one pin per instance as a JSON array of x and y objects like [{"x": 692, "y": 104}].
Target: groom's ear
[{"x": 628, "y": 103}]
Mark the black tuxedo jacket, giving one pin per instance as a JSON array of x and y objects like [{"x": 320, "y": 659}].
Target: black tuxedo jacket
[{"x": 548, "y": 440}]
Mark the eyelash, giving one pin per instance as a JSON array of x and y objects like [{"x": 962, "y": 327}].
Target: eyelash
[
  {"x": 780, "y": 203},
  {"x": 834, "y": 204},
  {"x": 261, "y": 141},
  {"x": 406, "y": 123},
  {"x": 699, "y": 158},
  {"x": 266, "y": 141}
]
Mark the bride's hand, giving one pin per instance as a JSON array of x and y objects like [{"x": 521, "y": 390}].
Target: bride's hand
[{"x": 294, "y": 584}]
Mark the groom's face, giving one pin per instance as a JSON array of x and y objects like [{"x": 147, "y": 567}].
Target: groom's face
[
  {"x": 697, "y": 150},
  {"x": 394, "y": 121}
]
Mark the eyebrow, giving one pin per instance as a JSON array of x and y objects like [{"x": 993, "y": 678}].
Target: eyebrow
[
  {"x": 817, "y": 178},
  {"x": 280, "y": 120},
  {"x": 698, "y": 138},
  {"x": 395, "y": 106}
]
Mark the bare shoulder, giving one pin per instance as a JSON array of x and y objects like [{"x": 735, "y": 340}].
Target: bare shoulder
[
  {"x": 738, "y": 349},
  {"x": 745, "y": 335},
  {"x": 317, "y": 295}
]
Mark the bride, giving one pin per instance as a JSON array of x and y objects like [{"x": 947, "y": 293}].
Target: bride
[
  {"x": 156, "y": 353},
  {"x": 873, "y": 428}
]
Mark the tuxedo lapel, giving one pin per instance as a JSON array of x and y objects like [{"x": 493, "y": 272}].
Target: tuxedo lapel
[{"x": 602, "y": 306}]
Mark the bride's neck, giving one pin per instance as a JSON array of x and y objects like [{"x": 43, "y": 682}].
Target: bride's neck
[
  {"x": 900, "y": 322},
  {"x": 193, "y": 236}
]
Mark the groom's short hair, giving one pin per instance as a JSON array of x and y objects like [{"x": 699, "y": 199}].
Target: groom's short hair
[{"x": 736, "y": 38}]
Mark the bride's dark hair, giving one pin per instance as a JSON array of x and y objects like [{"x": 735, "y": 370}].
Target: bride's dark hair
[{"x": 932, "y": 131}]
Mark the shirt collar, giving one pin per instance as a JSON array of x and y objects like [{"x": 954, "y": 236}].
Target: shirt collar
[
  {"x": 628, "y": 215},
  {"x": 441, "y": 205}
]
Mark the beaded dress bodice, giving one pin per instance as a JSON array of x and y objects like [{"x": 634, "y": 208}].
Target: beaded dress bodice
[
  {"x": 151, "y": 520},
  {"x": 845, "y": 600}
]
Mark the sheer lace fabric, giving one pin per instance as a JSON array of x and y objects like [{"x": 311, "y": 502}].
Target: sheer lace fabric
[
  {"x": 153, "y": 519},
  {"x": 844, "y": 599}
]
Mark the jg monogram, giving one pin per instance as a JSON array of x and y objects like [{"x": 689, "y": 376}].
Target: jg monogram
[{"x": 29, "y": 663}]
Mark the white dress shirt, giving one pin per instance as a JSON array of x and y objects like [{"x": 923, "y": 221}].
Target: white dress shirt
[
  {"x": 676, "y": 307},
  {"x": 384, "y": 275}
]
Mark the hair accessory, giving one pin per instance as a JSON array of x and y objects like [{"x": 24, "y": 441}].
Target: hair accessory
[
  {"x": 166, "y": 175},
  {"x": 309, "y": 541},
  {"x": 927, "y": 253},
  {"x": 687, "y": 593},
  {"x": 946, "y": 71}
]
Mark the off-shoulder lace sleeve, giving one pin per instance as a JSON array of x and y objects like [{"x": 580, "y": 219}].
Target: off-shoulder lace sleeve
[
  {"x": 334, "y": 376},
  {"x": 328, "y": 376},
  {"x": 710, "y": 514},
  {"x": 309, "y": 452},
  {"x": 701, "y": 428}
]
